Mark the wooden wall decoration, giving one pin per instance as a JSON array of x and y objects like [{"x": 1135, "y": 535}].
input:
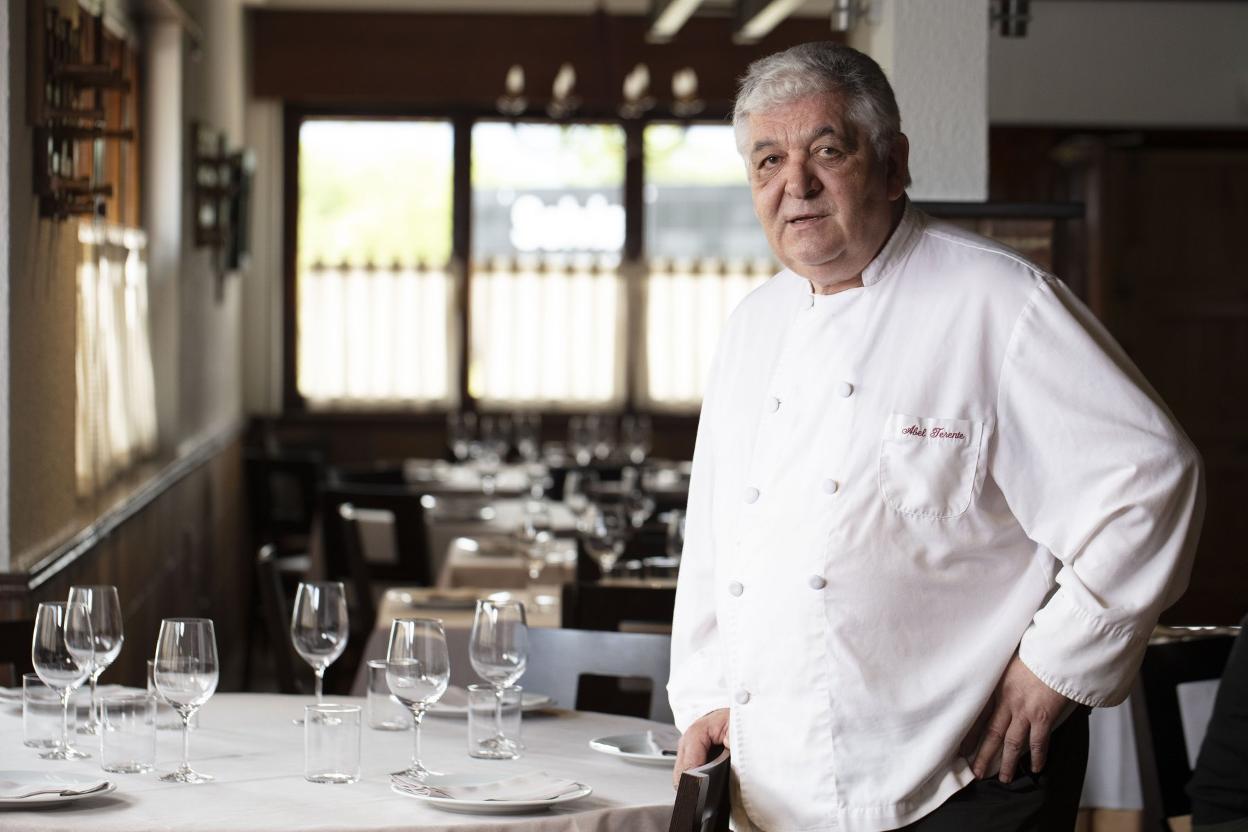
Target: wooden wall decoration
[
  {"x": 74, "y": 64},
  {"x": 220, "y": 190}
]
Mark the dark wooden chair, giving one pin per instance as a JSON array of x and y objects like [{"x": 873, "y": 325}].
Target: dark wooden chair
[
  {"x": 702, "y": 799},
  {"x": 580, "y": 669},
  {"x": 597, "y": 606},
  {"x": 282, "y": 494},
  {"x": 1160, "y": 744},
  {"x": 276, "y": 615},
  {"x": 15, "y": 642},
  {"x": 342, "y": 543}
]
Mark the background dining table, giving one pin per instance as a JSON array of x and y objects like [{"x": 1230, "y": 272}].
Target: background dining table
[{"x": 247, "y": 741}]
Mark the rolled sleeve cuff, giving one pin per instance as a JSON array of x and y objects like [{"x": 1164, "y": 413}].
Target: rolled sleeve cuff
[
  {"x": 690, "y": 712},
  {"x": 1085, "y": 659}
]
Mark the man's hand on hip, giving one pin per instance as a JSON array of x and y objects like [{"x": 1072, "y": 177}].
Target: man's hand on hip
[
  {"x": 695, "y": 743},
  {"x": 1021, "y": 715}
]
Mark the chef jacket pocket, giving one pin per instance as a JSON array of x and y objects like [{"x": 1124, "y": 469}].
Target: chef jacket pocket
[{"x": 928, "y": 466}]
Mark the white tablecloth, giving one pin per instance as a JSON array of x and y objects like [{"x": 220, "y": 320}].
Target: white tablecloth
[
  {"x": 248, "y": 742},
  {"x": 504, "y": 518}
]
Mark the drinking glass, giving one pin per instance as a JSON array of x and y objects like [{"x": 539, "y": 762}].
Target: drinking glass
[
  {"x": 128, "y": 733},
  {"x": 499, "y": 650},
  {"x": 418, "y": 668},
  {"x": 527, "y": 428},
  {"x": 62, "y": 652},
  {"x": 459, "y": 430},
  {"x": 580, "y": 440},
  {"x": 331, "y": 743},
  {"x": 635, "y": 437},
  {"x": 606, "y": 537},
  {"x": 318, "y": 628},
  {"x": 41, "y": 713},
  {"x": 483, "y": 722},
  {"x": 185, "y": 674},
  {"x": 105, "y": 610}
]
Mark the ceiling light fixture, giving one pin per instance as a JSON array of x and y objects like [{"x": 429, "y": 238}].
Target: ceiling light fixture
[
  {"x": 666, "y": 18},
  {"x": 756, "y": 18}
]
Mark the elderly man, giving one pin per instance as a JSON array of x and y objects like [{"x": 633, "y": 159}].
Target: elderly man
[{"x": 934, "y": 509}]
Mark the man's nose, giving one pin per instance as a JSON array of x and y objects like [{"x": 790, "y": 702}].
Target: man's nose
[{"x": 799, "y": 181}]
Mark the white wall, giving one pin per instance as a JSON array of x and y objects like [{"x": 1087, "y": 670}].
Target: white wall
[
  {"x": 935, "y": 54},
  {"x": 1143, "y": 63}
]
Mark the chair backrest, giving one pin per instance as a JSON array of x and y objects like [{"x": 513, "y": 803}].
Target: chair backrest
[
  {"x": 282, "y": 492},
  {"x": 411, "y": 566},
  {"x": 559, "y": 658},
  {"x": 702, "y": 799},
  {"x": 276, "y": 617},
  {"x": 15, "y": 641},
  {"x": 1160, "y": 744},
  {"x": 596, "y": 606}
]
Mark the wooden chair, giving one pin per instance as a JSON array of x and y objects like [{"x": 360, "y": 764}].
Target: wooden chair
[
  {"x": 282, "y": 498},
  {"x": 560, "y": 660},
  {"x": 702, "y": 799},
  {"x": 342, "y": 541},
  {"x": 1160, "y": 745},
  {"x": 276, "y": 614},
  {"x": 595, "y": 606}
]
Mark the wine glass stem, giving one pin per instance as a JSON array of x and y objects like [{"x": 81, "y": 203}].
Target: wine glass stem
[
  {"x": 93, "y": 720},
  {"x": 65, "y": 718},
  {"x": 320, "y": 684},
  {"x": 186, "y": 740},
  {"x": 498, "y": 712},
  {"x": 417, "y": 716}
]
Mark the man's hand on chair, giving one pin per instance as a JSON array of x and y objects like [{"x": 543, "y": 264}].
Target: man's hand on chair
[{"x": 695, "y": 743}]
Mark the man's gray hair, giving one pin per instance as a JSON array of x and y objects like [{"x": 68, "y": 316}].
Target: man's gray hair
[{"x": 812, "y": 68}]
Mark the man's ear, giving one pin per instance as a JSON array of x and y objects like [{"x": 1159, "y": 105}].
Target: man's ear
[{"x": 898, "y": 173}]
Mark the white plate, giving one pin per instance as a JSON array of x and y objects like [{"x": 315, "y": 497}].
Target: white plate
[
  {"x": 488, "y": 807},
  {"x": 50, "y": 779},
  {"x": 458, "y": 709},
  {"x": 636, "y": 748}
]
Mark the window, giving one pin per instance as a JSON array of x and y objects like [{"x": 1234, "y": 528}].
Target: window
[
  {"x": 548, "y": 233},
  {"x": 374, "y": 285},
  {"x": 706, "y": 252}
]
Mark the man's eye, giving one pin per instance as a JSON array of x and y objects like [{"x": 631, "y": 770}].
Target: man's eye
[
  {"x": 828, "y": 153},
  {"x": 768, "y": 161}
]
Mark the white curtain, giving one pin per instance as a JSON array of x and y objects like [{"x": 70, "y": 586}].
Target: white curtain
[
  {"x": 115, "y": 417},
  {"x": 687, "y": 303},
  {"x": 547, "y": 334},
  {"x": 375, "y": 337}
]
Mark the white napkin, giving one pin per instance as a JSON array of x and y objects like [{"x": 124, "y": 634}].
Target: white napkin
[
  {"x": 524, "y": 787},
  {"x": 14, "y": 790}
]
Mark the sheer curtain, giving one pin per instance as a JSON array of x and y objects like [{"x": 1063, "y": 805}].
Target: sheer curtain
[
  {"x": 115, "y": 419},
  {"x": 374, "y": 337}
]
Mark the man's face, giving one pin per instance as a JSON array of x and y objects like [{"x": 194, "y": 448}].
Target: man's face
[{"x": 824, "y": 200}]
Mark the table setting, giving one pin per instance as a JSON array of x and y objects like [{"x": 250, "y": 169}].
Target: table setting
[{"x": 276, "y": 762}]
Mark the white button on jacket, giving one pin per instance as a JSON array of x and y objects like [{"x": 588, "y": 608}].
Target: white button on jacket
[{"x": 1017, "y": 475}]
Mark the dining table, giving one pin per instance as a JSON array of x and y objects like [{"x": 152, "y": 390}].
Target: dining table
[{"x": 248, "y": 743}]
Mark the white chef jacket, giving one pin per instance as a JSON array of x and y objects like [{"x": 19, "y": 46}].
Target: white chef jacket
[{"x": 895, "y": 487}]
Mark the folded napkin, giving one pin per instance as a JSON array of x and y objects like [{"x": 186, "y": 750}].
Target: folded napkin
[
  {"x": 524, "y": 787},
  {"x": 13, "y": 790}
]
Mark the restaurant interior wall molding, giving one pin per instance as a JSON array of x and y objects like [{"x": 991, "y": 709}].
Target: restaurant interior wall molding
[{"x": 1132, "y": 63}]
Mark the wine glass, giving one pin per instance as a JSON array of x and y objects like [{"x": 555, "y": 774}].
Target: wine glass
[
  {"x": 418, "y": 668},
  {"x": 499, "y": 651},
  {"x": 185, "y": 674},
  {"x": 63, "y": 651},
  {"x": 459, "y": 430},
  {"x": 104, "y": 608},
  {"x": 635, "y": 437},
  {"x": 318, "y": 628},
  {"x": 535, "y": 536},
  {"x": 605, "y": 538}
]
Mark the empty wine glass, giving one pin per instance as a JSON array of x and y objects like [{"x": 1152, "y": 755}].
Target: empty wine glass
[
  {"x": 62, "y": 651},
  {"x": 318, "y": 628},
  {"x": 635, "y": 437},
  {"x": 460, "y": 428},
  {"x": 185, "y": 673},
  {"x": 606, "y": 537},
  {"x": 418, "y": 668},
  {"x": 499, "y": 651},
  {"x": 104, "y": 608}
]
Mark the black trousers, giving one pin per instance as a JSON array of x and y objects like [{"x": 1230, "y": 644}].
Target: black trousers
[{"x": 1044, "y": 802}]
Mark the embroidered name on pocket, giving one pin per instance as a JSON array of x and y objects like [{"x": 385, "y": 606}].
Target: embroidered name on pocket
[{"x": 928, "y": 465}]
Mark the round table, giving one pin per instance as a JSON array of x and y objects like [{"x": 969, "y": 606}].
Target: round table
[{"x": 247, "y": 741}]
